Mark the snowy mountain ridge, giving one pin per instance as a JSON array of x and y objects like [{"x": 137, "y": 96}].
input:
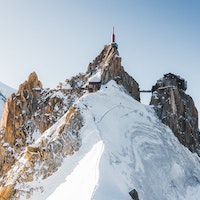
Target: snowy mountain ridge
[
  {"x": 124, "y": 146},
  {"x": 90, "y": 138}
]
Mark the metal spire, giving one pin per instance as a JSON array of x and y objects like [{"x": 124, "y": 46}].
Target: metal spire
[{"x": 113, "y": 36}]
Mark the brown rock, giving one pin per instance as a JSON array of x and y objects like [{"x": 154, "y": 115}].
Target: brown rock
[
  {"x": 6, "y": 192},
  {"x": 33, "y": 110},
  {"x": 109, "y": 62},
  {"x": 177, "y": 110},
  {"x": 45, "y": 157},
  {"x": 19, "y": 108}
]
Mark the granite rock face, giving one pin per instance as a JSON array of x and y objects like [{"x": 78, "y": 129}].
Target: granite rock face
[
  {"x": 177, "y": 110},
  {"x": 19, "y": 108},
  {"x": 28, "y": 113},
  {"x": 43, "y": 158},
  {"x": 108, "y": 62}
]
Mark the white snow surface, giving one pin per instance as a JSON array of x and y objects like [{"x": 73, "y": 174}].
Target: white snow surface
[
  {"x": 6, "y": 91},
  {"x": 95, "y": 78},
  {"x": 124, "y": 147}
]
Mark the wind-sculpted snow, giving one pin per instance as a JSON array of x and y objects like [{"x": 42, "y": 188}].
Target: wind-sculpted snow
[
  {"x": 89, "y": 178},
  {"x": 124, "y": 146}
]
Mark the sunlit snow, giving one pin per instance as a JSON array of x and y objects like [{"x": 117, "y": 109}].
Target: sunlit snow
[{"x": 124, "y": 147}]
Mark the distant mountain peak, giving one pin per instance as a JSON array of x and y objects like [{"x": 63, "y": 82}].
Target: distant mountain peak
[
  {"x": 5, "y": 92},
  {"x": 2, "y": 97}
]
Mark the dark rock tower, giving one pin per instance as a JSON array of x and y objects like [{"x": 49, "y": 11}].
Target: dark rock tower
[{"x": 177, "y": 109}]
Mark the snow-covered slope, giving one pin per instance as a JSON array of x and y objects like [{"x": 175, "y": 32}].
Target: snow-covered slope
[
  {"x": 5, "y": 91},
  {"x": 124, "y": 147}
]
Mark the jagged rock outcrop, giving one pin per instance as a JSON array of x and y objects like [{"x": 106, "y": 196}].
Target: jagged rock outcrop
[
  {"x": 28, "y": 113},
  {"x": 44, "y": 157},
  {"x": 34, "y": 109},
  {"x": 134, "y": 195},
  {"x": 19, "y": 108},
  {"x": 177, "y": 110},
  {"x": 109, "y": 64}
]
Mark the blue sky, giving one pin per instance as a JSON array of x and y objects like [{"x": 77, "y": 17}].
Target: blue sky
[{"x": 57, "y": 39}]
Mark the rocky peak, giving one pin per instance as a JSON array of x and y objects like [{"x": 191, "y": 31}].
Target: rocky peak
[
  {"x": 19, "y": 107},
  {"x": 27, "y": 114},
  {"x": 108, "y": 63},
  {"x": 176, "y": 109},
  {"x": 32, "y": 110},
  {"x": 31, "y": 88},
  {"x": 31, "y": 83}
]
